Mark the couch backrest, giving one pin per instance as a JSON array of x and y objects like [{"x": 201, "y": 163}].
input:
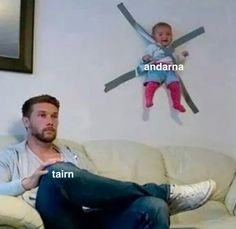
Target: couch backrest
[
  {"x": 8, "y": 140},
  {"x": 127, "y": 160},
  {"x": 192, "y": 164}
]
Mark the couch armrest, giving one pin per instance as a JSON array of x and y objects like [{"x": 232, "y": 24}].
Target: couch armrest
[
  {"x": 16, "y": 213},
  {"x": 230, "y": 199}
]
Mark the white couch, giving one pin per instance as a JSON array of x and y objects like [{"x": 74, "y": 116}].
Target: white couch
[{"x": 137, "y": 162}]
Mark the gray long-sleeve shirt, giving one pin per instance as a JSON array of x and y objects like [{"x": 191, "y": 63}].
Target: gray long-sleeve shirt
[{"x": 18, "y": 161}]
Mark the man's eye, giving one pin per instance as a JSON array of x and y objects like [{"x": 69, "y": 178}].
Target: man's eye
[
  {"x": 55, "y": 116},
  {"x": 42, "y": 115}
]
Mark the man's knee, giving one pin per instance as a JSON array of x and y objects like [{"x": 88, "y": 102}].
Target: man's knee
[
  {"x": 156, "y": 212},
  {"x": 152, "y": 205},
  {"x": 60, "y": 170},
  {"x": 152, "y": 212}
]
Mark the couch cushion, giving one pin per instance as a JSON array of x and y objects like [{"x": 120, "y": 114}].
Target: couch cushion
[
  {"x": 230, "y": 200},
  {"x": 225, "y": 222},
  {"x": 83, "y": 159},
  {"x": 18, "y": 214},
  {"x": 211, "y": 210},
  {"x": 189, "y": 165},
  {"x": 127, "y": 160}
]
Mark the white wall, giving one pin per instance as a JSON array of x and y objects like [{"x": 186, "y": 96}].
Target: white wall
[{"x": 81, "y": 45}]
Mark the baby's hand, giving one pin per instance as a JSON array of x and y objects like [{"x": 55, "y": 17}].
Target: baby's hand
[
  {"x": 185, "y": 53},
  {"x": 147, "y": 58}
]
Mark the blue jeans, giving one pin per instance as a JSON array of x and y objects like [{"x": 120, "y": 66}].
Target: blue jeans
[
  {"x": 161, "y": 76},
  {"x": 114, "y": 204}
]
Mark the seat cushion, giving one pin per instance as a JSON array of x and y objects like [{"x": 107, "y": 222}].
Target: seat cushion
[
  {"x": 211, "y": 210},
  {"x": 225, "y": 222},
  {"x": 16, "y": 213}
]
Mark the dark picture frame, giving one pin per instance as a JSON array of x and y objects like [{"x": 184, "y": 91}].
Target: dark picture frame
[{"x": 24, "y": 62}]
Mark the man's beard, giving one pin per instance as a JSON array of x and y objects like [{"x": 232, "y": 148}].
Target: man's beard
[{"x": 43, "y": 138}]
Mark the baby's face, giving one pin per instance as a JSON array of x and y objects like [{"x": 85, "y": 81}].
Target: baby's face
[{"x": 163, "y": 35}]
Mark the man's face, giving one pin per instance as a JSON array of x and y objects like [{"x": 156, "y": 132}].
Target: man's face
[
  {"x": 163, "y": 35},
  {"x": 43, "y": 122}
]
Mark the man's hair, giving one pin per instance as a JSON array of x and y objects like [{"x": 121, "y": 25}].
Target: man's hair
[
  {"x": 27, "y": 106},
  {"x": 160, "y": 24}
]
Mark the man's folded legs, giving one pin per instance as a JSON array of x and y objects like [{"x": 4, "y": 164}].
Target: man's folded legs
[{"x": 62, "y": 199}]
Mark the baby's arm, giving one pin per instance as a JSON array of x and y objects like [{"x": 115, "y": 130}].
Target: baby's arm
[
  {"x": 147, "y": 58},
  {"x": 185, "y": 53},
  {"x": 180, "y": 59}
]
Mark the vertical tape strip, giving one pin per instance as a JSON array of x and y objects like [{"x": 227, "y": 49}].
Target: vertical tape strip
[{"x": 187, "y": 97}]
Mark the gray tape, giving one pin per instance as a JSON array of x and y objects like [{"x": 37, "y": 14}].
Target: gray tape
[
  {"x": 168, "y": 51},
  {"x": 149, "y": 38},
  {"x": 119, "y": 80},
  {"x": 126, "y": 13},
  {"x": 187, "y": 97},
  {"x": 136, "y": 26},
  {"x": 188, "y": 37}
]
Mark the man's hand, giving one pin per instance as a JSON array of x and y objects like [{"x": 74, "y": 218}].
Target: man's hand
[{"x": 33, "y": 181}]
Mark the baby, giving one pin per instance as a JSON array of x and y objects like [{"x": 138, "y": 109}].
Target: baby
[{"x": 162, "y": 34}]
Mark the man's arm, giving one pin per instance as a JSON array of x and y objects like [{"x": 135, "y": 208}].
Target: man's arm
[
  {"x": 32, "y": 181},
  {"x": 8, "y": 187},
  {"x": 18, "y": 186},
  {"x": 12, "y": 188}
]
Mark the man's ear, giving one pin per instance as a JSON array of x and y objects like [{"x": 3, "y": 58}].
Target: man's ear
[{"x": 25, "y": 121}]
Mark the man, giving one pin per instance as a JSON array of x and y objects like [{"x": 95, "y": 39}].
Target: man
[{"x": 85, "y": 200}]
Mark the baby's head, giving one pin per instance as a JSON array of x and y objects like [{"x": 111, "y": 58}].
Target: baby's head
[{"x": 162, "y": 33}]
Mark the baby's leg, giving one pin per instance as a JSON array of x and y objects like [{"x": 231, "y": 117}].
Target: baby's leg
[
  {"x": 150, "y": 88},
  {"x": 175, "y": 93}
]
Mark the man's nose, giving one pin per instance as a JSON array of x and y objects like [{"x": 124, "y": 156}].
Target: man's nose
[{"x": 49, "y": 120}]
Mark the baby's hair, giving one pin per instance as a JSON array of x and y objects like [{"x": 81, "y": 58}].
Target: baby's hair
[{"x": 160, "y": 24}]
